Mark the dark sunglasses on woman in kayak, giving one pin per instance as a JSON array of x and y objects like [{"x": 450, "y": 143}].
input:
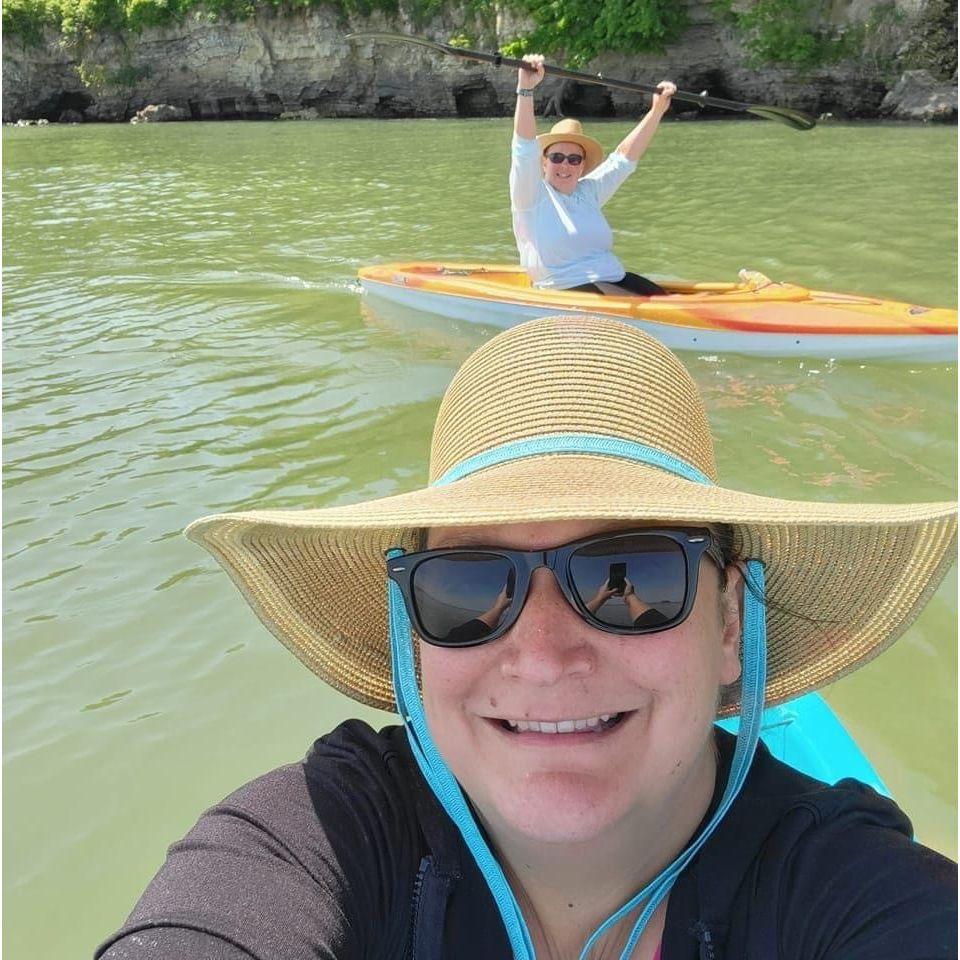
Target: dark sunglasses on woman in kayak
[
  {"x": 639, "y": 582},
  {"x": 574, "y": 159}
]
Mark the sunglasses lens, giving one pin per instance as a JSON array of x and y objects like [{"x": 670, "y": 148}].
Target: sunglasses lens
[
  {"x": 461, "y": 598},
  {"x": 631, "y": 582},
  {"x": 558, "y": 158}
]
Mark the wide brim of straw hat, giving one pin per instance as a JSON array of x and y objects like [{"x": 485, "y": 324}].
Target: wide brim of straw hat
[
  {"x": 843, "y": 581},
  {"x": 593, "y": 152}
]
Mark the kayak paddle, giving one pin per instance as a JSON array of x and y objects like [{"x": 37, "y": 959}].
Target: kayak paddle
[{"x": 793, "y": 118}]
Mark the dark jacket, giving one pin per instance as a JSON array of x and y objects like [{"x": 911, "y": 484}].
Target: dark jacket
[{"x": 349, "y": 856}]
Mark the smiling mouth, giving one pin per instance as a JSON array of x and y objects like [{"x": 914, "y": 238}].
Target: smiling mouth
[{"x": 597, "y": 724}]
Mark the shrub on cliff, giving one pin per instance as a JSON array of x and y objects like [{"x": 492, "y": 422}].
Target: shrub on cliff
[
  {"x": 74, "y": 18},
  {"x": 27, "y": 18},
  {"x": 582, "y": 29}
]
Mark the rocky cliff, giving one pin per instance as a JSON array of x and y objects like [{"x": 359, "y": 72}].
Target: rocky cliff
[{"x": 297, "y": 64}]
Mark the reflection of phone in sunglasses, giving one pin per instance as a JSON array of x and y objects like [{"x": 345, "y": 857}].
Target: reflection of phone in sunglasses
[
  {"x": 617, "y": 581},
  {"x": 511, "y": 583}
]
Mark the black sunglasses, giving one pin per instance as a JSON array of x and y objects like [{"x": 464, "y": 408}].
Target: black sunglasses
[
  {"x": 574, "y": 159},
  {"x": 627, "y": 583}
]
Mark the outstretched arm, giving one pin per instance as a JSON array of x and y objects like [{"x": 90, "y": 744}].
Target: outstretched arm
[
  {"x": 603, "y": 594},
  {"x": 638, "y": 139},
  {"x": 492, "y": 616}
]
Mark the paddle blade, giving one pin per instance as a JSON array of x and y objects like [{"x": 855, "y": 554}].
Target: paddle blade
[{"x": 792, "y": 118}]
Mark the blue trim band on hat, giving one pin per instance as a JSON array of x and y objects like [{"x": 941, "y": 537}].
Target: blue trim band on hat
[
  {"x": 439, "y": 776},
  {"x": 574, "y": 443}
]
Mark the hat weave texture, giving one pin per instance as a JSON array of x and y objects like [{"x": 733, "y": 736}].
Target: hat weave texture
[{"x": 843, "y": 580}]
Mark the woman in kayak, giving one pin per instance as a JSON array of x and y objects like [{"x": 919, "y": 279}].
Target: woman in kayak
[
  {"x": 559, "y": 788},
  {"x": 558, "y": 186}
]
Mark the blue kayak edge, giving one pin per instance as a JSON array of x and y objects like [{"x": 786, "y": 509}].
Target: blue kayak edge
[{"x": 807, "y": 734}]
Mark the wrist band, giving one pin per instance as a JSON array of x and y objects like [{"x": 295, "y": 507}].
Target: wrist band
[{"x": 524, "y": 92}]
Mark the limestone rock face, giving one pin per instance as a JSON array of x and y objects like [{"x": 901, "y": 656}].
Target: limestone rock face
[
  {"x": 297, "y": 64},
  {"x": 254, "y": 69},
  {"x": 919, "y": 96}
]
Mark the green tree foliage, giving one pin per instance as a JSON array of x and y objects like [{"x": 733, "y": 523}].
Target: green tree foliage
[
  {"x": 579, "y": 30},
  {"x": 576, "y": 29},
  {"x": 27, "y": 18},
  {"x": 78, "y": 18},
  {"x": 787, "y": 31},
  {"x": 798, "y": 33}
]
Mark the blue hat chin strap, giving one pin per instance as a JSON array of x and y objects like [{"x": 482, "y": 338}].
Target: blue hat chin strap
[{"x": 444, "y": 784}]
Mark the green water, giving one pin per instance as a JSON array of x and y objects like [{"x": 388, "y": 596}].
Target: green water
[{"x": 183, "y": 334}]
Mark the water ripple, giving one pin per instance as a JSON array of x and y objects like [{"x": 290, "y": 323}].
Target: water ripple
[{"x": 183, "y": 335}]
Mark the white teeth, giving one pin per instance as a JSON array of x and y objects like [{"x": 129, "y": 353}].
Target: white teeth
[{"x": 559, "y": 726}]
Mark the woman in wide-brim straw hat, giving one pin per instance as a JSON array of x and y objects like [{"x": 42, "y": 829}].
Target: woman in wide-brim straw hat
[
  {"x": 558, "y": 618},
  {"x": 559, "y": 182}
]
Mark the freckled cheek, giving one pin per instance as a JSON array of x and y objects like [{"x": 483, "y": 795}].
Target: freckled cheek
[
  {"x": 665, "y": 663},
  {"x": 450, "y": 678},
  {"x": 648, "y": 661}
]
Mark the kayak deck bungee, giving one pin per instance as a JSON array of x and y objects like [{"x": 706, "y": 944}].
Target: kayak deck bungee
[{"x": 754, "y": 316}]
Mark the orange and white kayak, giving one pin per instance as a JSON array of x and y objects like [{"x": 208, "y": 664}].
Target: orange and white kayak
[{"x": 754, "y": 316}]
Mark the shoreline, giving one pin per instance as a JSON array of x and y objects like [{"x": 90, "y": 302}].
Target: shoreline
[
  {"x": 297, "y": 65},
  {"x": 823, "y": 120}
]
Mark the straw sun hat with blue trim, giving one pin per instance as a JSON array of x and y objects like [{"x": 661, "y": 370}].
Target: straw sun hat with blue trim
[
  {"x": 544, "y": 423},
  {"x": 569, "y": 130}
]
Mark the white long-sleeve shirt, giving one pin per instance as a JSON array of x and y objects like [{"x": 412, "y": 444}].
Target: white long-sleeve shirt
[{"x": 564, "y": 240}]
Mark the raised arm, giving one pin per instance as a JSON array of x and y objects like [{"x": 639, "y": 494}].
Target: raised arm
[
  {"x": 524, "y": 122},
  {"x": 524, "y": 154},
  {"x": 638, "y": 139}
]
